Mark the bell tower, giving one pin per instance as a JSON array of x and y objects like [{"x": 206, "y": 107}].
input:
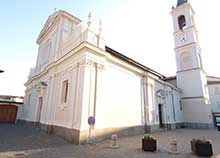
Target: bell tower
[{"x": 191, "y": 77}]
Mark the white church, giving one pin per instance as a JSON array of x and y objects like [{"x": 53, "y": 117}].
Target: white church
[{"x": 77, "y": 76}]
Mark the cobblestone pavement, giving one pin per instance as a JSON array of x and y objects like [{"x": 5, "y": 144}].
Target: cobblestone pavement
[{"x": 16, "y": 141}]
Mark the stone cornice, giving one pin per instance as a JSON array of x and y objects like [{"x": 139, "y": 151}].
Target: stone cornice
[
  {"x": 72, "y": 52},
  {"x": 101, "y": 53},
  {"x": 47, "y": 29}
]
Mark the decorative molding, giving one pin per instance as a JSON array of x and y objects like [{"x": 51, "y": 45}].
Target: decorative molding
[
  {"x": 100, "y": 67},
  {"x": 161, "y": 93},
  {"x": 161, "y": 96},
  {"x": 91, "y": 63},
  {"x": 62, "y": 107},
  {"x": 87, "y": 62},
  {"x": 60, "y": 73}
]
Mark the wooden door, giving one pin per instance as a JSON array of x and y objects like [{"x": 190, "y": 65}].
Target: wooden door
[{"x": 8, "y": 113}]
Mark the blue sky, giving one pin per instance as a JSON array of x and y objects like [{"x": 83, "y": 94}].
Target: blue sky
[
  {"x": 140, "y": 29},
  {"x": 21, "y": 22}
]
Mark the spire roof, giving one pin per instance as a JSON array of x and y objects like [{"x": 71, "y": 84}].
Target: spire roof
[{"x": 180, "y": 2}]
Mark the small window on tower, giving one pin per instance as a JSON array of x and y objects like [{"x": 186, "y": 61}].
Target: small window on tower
[{"x": 182, "y": 22}]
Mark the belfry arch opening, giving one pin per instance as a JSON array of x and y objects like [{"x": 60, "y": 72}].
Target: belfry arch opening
[{"x": 182, "y": 22}]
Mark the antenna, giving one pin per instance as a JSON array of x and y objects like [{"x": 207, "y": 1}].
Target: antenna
[
  {"x": 100, "y": 26},
  {"x": 89, "y": 20}
]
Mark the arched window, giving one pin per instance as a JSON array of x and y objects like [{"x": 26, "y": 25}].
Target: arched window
[{"x": 182, "y": 22}]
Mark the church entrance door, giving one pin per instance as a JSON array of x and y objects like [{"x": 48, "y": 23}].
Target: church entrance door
[{"x": 160, "y": 115}]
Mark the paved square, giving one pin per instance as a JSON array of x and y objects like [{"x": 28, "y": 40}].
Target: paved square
[{"x": 16, "y": 141}]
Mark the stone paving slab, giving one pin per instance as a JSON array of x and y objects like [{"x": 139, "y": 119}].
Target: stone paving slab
[{"x": 19, "y": 142}]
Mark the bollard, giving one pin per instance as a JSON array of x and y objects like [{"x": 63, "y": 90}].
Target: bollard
[
  {"x": 173, "y": 146},
  {"x": 114, "y": 144}
]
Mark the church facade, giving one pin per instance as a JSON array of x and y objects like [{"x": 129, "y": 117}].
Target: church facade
[{"x": 76, "y": 77}]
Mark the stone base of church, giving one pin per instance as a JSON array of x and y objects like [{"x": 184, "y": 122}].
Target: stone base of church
[
  {"x": 106, "y": 133},
  {"x": 81, "y": 137},
  {"x": 198, "y": 125},
  {"x": 71, "y": 135},
  {"x": 157, "y": 128}
]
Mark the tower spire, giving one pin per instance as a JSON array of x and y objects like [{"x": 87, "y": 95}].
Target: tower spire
[
  {"x": 89, "y": 20},
  {"x": 100, "y": 26},
  {"x": 180, "y": 2}
]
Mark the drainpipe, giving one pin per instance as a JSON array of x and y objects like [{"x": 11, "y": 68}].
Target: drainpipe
[
  {"x": 146, "y": 128},
  {"x": 75, "y": 95},
  {"x": 165, "y": 108},
  {"x": 95, "y": 90},
  {"x": 174, "y": 111},
  {"x": 94, "y": 105}
]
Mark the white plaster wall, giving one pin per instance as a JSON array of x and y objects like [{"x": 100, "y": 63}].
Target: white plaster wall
[
  {"x": 68, "y": 114},
  {"x": 187, "y": 35},
  {"x": 30, "y": 107},
  {"x": 120, "y": 96},
  {"x": 187, "y": 80},
  {"x": 19, "y": 112},
  {"x": 118, "y": 99},
  {"x": 53, "y": 111},
  {"x": 196, "y": 111},
  {"x": 152, "y": 102},
  {"x": 178, "y": 110},
  {"x": 192, "y": 60},
  {"x": 214, "y": 97}
]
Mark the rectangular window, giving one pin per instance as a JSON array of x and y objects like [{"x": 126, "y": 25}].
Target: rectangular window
[
  {"x": 29, "y": 99},
  {"x": 65, "y": 91},
  {"x": 181, "y": 108}
]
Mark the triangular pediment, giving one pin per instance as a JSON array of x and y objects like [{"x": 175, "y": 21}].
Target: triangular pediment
[{"x": 51, "y": 20}]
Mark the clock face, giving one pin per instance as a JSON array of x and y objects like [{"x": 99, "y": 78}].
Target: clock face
[{"x": 182, "y": 37}]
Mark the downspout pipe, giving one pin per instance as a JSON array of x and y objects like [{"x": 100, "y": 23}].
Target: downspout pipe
[
  {"x": 95, "y": 89},
  {"x": 145, "y": 95},
  {"x": 89, "y": 139}
]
